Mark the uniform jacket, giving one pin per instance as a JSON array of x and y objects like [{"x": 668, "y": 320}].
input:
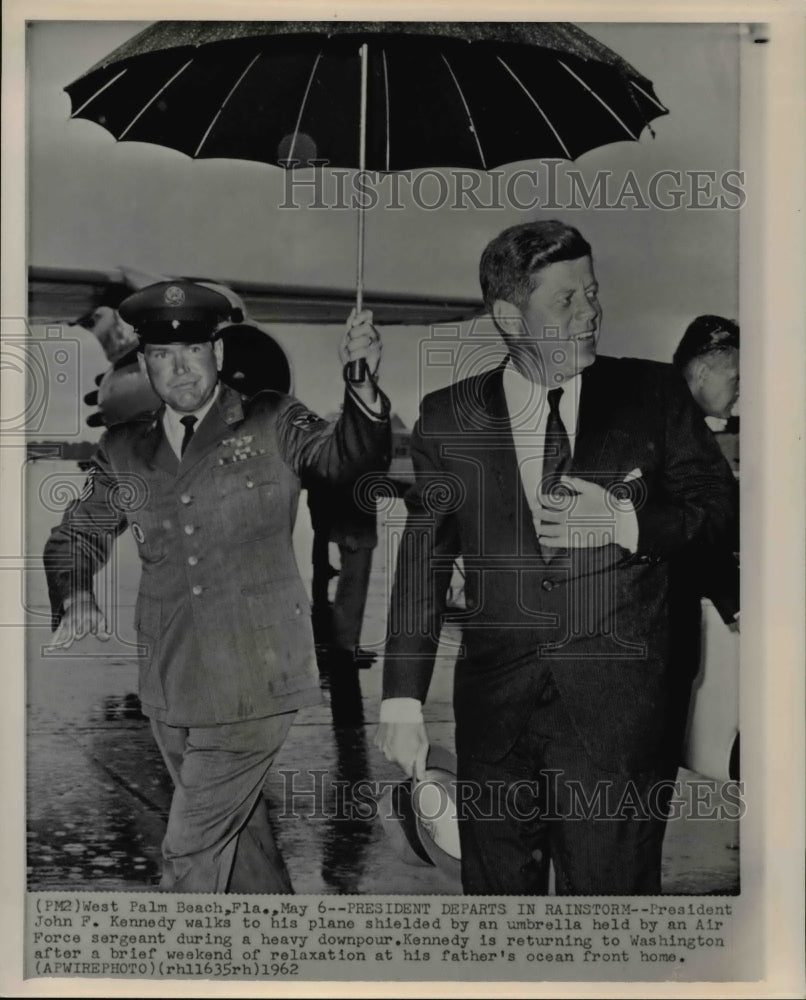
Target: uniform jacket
[
  {"x": 597, "y": 618},
  {"x": 221, "y": 612}
]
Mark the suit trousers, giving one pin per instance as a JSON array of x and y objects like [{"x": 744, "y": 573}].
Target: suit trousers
[
  {"x": 351, "y": 596},
  {"x": 218, "y": 837},
  {"x": 547, "y": 801}
]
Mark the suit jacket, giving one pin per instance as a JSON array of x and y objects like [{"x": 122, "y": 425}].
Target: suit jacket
[
  {"x": 221, "y": 610},
  {"x": 597, "y": 618}
]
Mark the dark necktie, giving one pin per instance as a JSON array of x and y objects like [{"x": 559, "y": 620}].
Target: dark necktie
[
  {"x": 189, "y": 424},
  {"x": 556, "y": 456}
]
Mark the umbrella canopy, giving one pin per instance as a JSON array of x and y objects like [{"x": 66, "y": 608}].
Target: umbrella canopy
[{"x": 460, "y": 94}]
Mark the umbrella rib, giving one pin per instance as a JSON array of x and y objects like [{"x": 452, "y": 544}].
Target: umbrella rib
[
  {"x": 99, "y": 92},
  {"x": 386, "y": 98},
  {"x": 531, "y": 97},
  {"x": 224, "y": 103},
  {"x": 302, "y": 106},
  {"x": 162, "y": 89},
  {"x": 467, "y": 112},
  {"x": 648, "y": 96},
  {"x": 599, "y": 99}
]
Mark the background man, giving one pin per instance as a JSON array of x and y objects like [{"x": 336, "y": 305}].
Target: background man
[
  {"x": 562, "y": 683},
  {"x": 708, "y": 359},
  {"x": 209, "y": 486},
  {"x": 350, "y": 522},
  {"x": 354, "y": 529}
]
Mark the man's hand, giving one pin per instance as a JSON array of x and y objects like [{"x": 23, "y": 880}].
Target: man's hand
[
  {"x": 83, "y": 617},
  {"x": 361, "y": 340},
  {"x": 404, "y": 743},
  {"x": 580, "y": 516}
]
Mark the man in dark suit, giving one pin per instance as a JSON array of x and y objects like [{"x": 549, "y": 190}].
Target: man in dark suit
[
  {"x": 350, "y": 521},
  {"x": 354, "y": 529},
  {"x": 708, "y": 359},
  {"x": 209, "y": 486},
  {"x": 565, "y": 508}
]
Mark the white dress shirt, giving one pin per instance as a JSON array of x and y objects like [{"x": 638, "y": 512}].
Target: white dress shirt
[
  {"x": 175, "y": 429},
  {"x": 528, "y": 408}
]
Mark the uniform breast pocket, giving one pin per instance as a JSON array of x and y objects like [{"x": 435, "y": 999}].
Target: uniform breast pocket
[{"x": 250, "y": 500}]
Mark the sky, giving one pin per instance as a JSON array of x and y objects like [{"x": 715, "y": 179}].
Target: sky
[{"x": 95, "y": 203}]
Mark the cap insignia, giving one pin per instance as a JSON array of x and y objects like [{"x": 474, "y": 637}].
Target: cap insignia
[{"x": 174, "y": 296}]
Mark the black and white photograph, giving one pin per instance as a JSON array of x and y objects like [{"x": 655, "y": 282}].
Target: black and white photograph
[{"x": 385, "y": 571}]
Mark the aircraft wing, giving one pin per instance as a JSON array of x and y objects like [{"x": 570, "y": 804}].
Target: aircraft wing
[{"x": 63, "y": 295}]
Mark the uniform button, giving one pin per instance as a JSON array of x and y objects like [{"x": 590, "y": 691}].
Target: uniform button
[
  {"x": 249, "y": 484},
  {"x": 197, "y": 590},
  {"x": 189, "y": 529},
  {"x": 192, "y": 560},
  {"x": 547, "y": 585},
  {"x": 186, "y": 498},
  {"x": 297, "y": 610}
]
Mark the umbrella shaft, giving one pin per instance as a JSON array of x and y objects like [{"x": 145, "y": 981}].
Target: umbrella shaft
[
  {"x": 362, "y": 166},
  {"x": 356, "y": 370}
]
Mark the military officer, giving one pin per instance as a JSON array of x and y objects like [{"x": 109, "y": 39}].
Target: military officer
[{"x": 209, "y": 486}]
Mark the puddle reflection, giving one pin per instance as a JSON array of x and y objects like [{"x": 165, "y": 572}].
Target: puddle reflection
[
  {"x": 349, "y": 830},
  {"x": 93, "y": 849}
]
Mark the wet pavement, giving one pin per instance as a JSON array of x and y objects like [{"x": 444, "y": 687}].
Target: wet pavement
[{"x": 98, "y": 794}]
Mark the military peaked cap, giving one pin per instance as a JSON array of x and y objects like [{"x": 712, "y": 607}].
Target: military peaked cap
[{"x": 175, "y": 312}]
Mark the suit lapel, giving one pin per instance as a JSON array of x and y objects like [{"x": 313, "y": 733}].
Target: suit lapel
[
  {"x": 502, "y": 461},
  {"x": 598, "y": 399}
]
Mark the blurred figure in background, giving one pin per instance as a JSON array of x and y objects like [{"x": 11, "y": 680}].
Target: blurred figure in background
[
  {"x": 708, "y": 359},
  {"x": 115, "y": 336},
  {"x": 338, "y": 517},
  {"x": 354, "y": 529},
  {"x": 322, "y": 572}
]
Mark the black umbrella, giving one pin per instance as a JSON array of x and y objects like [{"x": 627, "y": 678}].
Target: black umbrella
[{"x": 382, "y": 96}]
